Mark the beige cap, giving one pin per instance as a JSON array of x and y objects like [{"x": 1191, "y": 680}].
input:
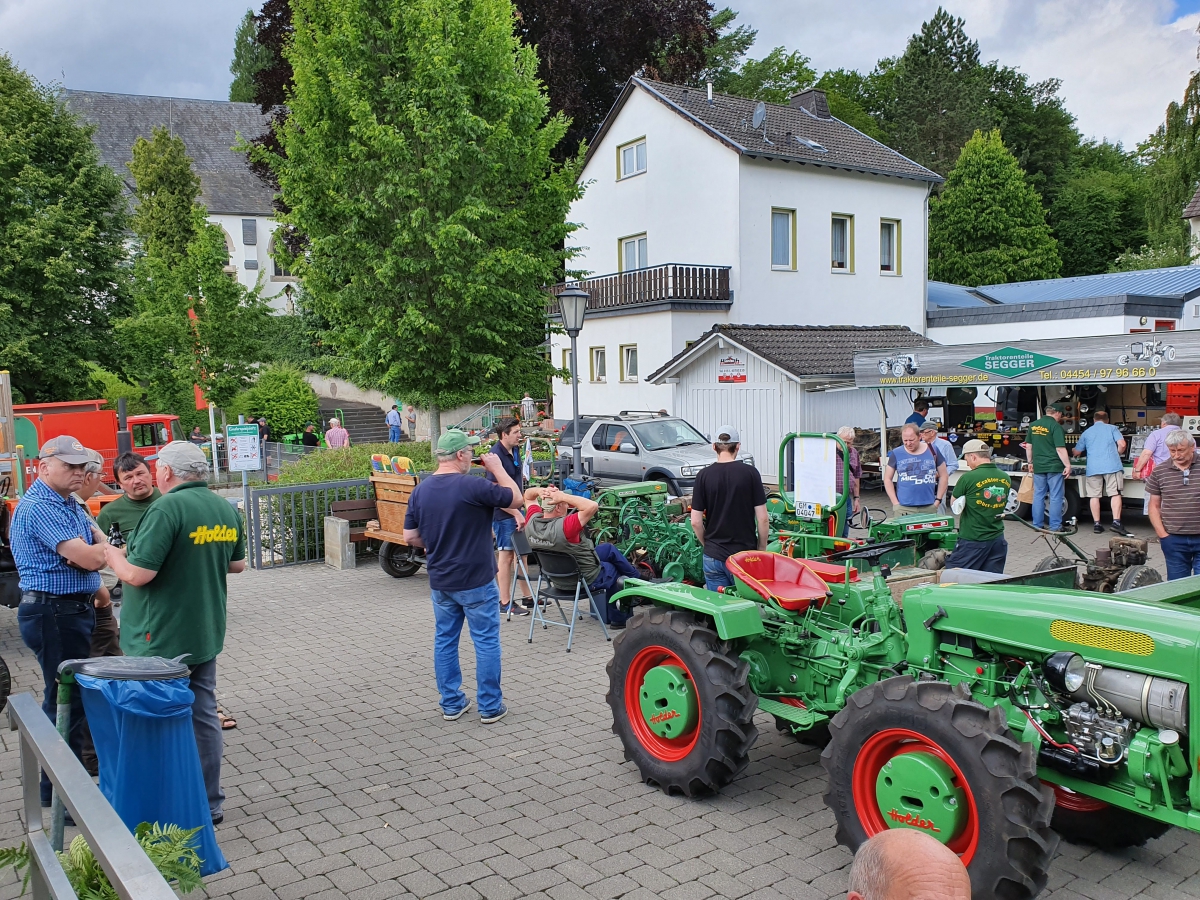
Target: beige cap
[
  {"x": 66, "y": 448},
  {"x": 183, "y": 457},
  {"x": 976, "y": 446}
]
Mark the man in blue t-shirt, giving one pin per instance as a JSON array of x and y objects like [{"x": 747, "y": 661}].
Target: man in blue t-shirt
[
  {"x": 920, "y": 408},
  {"x": 915, "y": 477},
  {"x": 506, "y": 521},
  {"x": 450, "y": 515},
  {"x": 1104, "y": 445}
]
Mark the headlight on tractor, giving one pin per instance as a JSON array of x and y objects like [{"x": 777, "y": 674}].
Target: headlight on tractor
[{"x": 1065, "y": 671}]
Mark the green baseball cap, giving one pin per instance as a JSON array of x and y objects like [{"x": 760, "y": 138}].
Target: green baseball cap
[
  {"x": 454, "y": 440},
  {"x": 1054, "y": 407}
]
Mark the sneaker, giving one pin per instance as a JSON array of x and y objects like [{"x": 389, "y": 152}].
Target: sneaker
[
  {"x": 515, "y": 609},
  {"x": 494, "y": 717},
  {"x": 1120, "y": 529},
  {"x": 452, "y": 717},
  {"x": 218, "y": 818},
  {"x": 1099, "y": 529}
]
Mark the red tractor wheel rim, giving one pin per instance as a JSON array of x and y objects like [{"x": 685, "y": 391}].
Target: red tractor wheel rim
[
  {"x": 1067, "y": 799},
  {"x": 875, "y": 753},
  {"x": 666, "y": 749}
]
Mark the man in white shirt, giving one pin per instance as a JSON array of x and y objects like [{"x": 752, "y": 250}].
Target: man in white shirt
[{"x": 929, "y": 434}]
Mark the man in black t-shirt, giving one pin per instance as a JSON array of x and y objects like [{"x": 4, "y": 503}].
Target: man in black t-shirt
[{"x": 729, "y": 509}]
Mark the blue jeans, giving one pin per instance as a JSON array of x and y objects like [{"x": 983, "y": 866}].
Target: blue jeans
[
  {"x": 207, "y": 728},
  {"x": 715, "y": 574},
  {"x": 55, "y": 631},
  {"x": 986, "y": 556},
  {"x": 1054, "y": 484},
  {"x": 1182, "y": 553},
  {"x": 503, "y": 530},
  {"x": 394, "y": 434},
  {"x": 613, "y": 565},
  {"x": 481, "y": 608}
]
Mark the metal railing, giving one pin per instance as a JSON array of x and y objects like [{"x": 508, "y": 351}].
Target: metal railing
[
  {"x": 287, "y": 524},
  {"x": 487, "y": 415},
  {"x": 671, "y": 281},
  {"x": 124, "y": 861}
]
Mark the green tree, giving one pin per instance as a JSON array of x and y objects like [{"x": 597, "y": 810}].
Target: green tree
[
  {"x": 988, "y": 226},
  {"x": 281, "y": 395},
  {"x": 938, "y": 94},
  {"x": 774, "y": 78},
  {"x": 418, "y": 167},
  {"x": 1172, "y": 159},
  {"x": 1036, "y": 127},
  {"x": 249, "y": 58},
  {"x": 849, "y": 94},
  {"x": 62, "y": 224},
  {"x": 1099, "y": 208},
  {"x": 191, "y": 324}
]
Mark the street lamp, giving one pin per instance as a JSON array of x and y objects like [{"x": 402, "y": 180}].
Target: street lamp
[{"x": 573, "y": 303}]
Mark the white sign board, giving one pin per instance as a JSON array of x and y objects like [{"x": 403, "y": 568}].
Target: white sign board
[
  {"x": 244, "y": 449},
  {"x": 731, "y": 369},
  {"x": 816, "y": 470}
]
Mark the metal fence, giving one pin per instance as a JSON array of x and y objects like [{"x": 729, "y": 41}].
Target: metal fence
[
  {"x": 124, "y": 861},
  {"x": 274, "y": 455},
  {"x": 287, "y": 524}
]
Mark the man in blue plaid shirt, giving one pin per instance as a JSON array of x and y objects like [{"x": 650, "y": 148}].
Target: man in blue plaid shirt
[{"x": 59, "y": 553}]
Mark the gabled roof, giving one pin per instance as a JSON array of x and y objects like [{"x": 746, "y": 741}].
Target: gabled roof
[
  {"x": 803, "y": 351},
  {"x": 787, "y": 133},
  {"x": 1193, "y": 208},
  {"x": 209, "y": 129}
]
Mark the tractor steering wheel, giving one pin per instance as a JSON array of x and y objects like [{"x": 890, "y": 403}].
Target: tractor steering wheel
[{"x": 871, "y": 553}]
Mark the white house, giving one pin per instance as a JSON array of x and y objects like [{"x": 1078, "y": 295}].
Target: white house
[
  {"x": 703, "y": 210},
  {"x": 236, "y": 199}
]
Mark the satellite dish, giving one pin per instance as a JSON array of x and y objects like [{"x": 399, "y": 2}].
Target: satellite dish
[{"x": 760, "y": 115}]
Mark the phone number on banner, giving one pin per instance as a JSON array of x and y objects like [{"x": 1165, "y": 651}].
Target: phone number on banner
[{"x": 1099, "y": 374}]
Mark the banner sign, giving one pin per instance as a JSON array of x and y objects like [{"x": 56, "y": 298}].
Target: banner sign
[
  {"x": 731, "y": 370},
  {"x": 1156, "y": 356}
]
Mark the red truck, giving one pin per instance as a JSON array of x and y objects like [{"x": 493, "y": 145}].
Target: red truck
[{"x": 94, "y": 426}]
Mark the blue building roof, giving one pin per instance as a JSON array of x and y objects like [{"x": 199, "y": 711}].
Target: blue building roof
[
  {"x": 952, "y": 296},
  {"x": 1177, "y": 282}
]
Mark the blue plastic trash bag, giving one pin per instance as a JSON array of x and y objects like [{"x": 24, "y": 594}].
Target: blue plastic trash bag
[
  {"x": 149, "y": 765},
  {"x": 576, "y": 486}
]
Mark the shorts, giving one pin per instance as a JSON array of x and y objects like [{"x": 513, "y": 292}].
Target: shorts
[
  {"x": 1110, "y": 484},
  {"x": 503, "y": 531}
]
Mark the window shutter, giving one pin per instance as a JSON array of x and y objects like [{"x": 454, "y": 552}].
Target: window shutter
[{"x": 249, "y": 232}]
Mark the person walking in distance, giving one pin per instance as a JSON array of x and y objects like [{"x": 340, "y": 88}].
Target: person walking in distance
[
  {"x": 412, "y": 422},
  {"x": 1047, "y": 453},
  {"x": 59, "y": 554},
  {"x": 337, "y": 436},
  {"x": 393, "y": 423},
  {"x": 450, "y": 514},
  {"x": 1104, "y": 445},
  {"x": 848, "y": 434},
  {"x": 528, "y": 408},
  {"x": 1174, "y": 489},
  {"x": 175, "y": 567},
  {"x": 729, "y": 509},
  {"x": 506, "y": 522},
  {"x": 915, "y": 477},
  {"x": 980, "y": 497}
]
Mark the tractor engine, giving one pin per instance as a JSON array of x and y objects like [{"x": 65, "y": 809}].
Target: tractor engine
[{"x": 1097, "y": 736}]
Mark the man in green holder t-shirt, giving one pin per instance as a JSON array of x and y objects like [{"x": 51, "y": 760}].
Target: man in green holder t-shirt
[
  {"x": 980, "y": 497},
  {"x": 174, "y": 569},
  {"x": 1047, "y": 451}
]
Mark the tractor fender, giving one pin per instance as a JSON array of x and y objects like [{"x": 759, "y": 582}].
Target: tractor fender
[
  {"x": 663, "y": 475},
  {"x": 733, "y": 616}
]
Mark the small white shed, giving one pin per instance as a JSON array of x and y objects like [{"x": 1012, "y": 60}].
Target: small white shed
[{"x": 768, "y": 380}]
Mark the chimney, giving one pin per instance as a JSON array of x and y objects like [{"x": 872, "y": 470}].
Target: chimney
[{"x": 813, "y": 100}]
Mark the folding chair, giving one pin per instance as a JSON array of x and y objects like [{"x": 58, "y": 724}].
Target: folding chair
[
  {"x": 565, "y": 568},
  {"x": 522, "y": 548}
]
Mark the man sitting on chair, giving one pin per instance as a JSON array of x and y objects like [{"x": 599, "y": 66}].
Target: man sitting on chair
[{"x": 554, "y": 522}]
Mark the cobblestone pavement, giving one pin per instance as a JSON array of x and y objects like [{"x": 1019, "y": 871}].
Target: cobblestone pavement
[{"x": 344, "y": 781}]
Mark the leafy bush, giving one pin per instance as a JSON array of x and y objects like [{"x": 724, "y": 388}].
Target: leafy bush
[
  {"x": 283, "y": 396},
  {"x": 348, "y": 463}
]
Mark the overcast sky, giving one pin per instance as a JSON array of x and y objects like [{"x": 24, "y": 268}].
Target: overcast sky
[{"x": 1120, "y": 61}]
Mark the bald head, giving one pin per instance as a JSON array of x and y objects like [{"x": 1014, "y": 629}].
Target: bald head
[{"x": 905, "y": 864}]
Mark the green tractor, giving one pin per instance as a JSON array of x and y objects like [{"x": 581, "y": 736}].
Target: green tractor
[{"x": 994, "y": 717}]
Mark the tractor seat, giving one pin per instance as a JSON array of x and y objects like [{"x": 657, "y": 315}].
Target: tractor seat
[
  {"x": 831, "y": 573},
  {"x": 790, "y": 582}
]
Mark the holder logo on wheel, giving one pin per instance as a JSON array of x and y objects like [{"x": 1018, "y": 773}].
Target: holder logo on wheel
[
  {"x": 664, "y": 716},
  {"x": 909, "y": 819}
]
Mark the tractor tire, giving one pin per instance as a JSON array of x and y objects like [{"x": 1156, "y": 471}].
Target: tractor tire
[
  {"x": 712, "y": 750},
  {"x": 1055, "y": 562},
  {"x": 998, "y": 817},
  {"x": 1136, "y": 577},
  {"x": 1083, "y": 820},
  {"x": 398, "y": 560}
]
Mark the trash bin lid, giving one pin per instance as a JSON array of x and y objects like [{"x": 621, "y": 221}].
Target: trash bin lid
[{"x": 128, "y": 668}]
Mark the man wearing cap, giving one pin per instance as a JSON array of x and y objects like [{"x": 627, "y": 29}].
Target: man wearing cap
[
  {"x": 729, "y": 509},
  {"x": 174, "y": 567},
  {"x": 1047, "y": 452},
  {"x": 450, "y": 515},
  {"x": 980, "y": 497},
  {"x": 59, "y": 552}
]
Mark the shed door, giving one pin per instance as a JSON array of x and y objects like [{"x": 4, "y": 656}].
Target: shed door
[{"x": 752, "y": 410}]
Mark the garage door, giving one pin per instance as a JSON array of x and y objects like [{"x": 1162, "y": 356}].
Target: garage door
[{"x": 754, "y": 411}]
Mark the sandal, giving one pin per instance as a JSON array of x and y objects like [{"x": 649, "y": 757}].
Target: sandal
[{"x": 227, "y": 722}]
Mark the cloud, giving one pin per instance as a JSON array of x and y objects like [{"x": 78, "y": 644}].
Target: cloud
[
  {"x": 165, "y": 47},
  {"x": 1121, "y": 61}
]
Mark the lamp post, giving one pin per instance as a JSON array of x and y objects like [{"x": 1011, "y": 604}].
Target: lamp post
[{"x": 573, "y": 303}]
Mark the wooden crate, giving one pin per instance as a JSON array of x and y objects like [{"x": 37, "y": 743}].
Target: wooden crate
[{"x": 391, "y": 500}]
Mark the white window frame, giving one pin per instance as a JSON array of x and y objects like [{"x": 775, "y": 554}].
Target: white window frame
[
  {"x": 598, "y": 366},
  {"x": 641, "y": 249},
  {"x": 790, "y": 266},
  {"x": 625, "y": 350},
  {"x": 895, "y": 269},
  {"x": 639, "y": 158},
  {"x": 848, "y": 269}
]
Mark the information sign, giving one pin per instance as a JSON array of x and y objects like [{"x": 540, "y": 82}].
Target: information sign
[{"x": 244, "y": 447}]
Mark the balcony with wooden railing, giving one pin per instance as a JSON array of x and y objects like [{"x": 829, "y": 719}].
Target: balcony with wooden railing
[{"x": 655, "y": 284}]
